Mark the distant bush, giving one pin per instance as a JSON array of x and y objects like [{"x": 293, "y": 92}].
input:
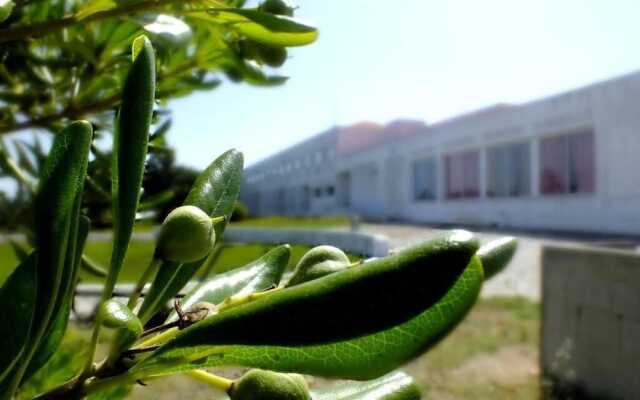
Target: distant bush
[{"x": 240, "y": 212}]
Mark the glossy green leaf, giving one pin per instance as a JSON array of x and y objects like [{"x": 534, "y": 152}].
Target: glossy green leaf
[
  {"x": 23, "y": 159},
  {"x": 58, "y": 326},
  {"x": 18, "y": 299},
  {"x": 166, "y": 284},
  {"x": 274, "y": 30},
  {"x": 496, "y": 254},
  {"x": 359, "y": 323},
  {"x": 56, "y": 207},
  {"x": 156, "y": 200},
  {"x": 92, "y": 267},
  {"x": 215, "y": 191},
  {"x": 259, "y": 275},
  {"x": 161, "y": 131},
  {"x": 94, "y": 6},
  {"x": 6, "y": 7},
  {"x": 112, "y": 393},
  {"x": 130, "y": 147},
  {"x": 393, "y": 386}
]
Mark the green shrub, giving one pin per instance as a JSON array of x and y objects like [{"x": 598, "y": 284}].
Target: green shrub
[{"x": 240, "y": 212}]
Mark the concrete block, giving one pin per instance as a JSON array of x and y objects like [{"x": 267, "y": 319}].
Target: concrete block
[{"x": 590, "y": 331}]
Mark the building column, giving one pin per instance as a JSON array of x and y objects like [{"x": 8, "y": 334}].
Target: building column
[
  {"x": 483, "y": 172},
  {"x": 535, "y": 166}
]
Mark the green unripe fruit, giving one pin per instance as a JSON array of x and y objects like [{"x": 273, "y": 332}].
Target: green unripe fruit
[
  {"x": 259, "y": 384},
  {"x": 248, "y": 49},
  {"x": 234, "y": 74},
  {"x": 318, "y": 262},
  {"x": 277, "y": 7},
  {"x": 186, "y": 235},
  {"x": 271, "y": 56}
]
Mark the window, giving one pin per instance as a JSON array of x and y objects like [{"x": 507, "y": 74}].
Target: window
[
  {"x": 509, "y": 170},
  {"x": 424, "y": 180},
  {"x": 567, "y": 164},
  {"x": 330, "y": 190},
  {"x": 463, "y": 174}
]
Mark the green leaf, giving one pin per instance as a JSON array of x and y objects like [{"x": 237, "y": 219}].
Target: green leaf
[
  {"x": 393, "y": 386},
  {"x": 166, "y": 284},
  {"x": 50, "y": 342},
  {"x": 156, "y": 200},
  {"x": 112, "y": 393},
  {"x": 259, "y": 275},
  {"x": 161, "y": 131},
  {"x": 56, "y": 209},
  {"x": 20, "y": 250},
  {"x": 94, "y": 6},
  {"x": 18, "y": 299},
  {"x": 496, "y": 254},
  {"x": 6, "y": 7},
  {"x": 215, "y": 191},
  {"x": 130, "y": 148},
  {"x": 274, "y": 30},
  {"x": 359, "y": 323},
  {"x": 55, "y": 332},
  {"x": 92, "y": 267},
  {"x": 24, "y": 161}
]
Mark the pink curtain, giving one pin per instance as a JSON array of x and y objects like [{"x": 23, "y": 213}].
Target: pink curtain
[
  {"x": 463, "y": 175},
  {"x": 553, "y": 165}
]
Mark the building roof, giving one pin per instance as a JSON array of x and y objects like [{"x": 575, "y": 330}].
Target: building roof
[{"x": 365, "y": 135}]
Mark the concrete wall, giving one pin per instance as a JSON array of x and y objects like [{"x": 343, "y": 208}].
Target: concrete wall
[{"x": 591, "y": 321}]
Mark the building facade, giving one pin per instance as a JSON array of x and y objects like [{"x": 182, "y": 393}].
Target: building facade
[{"x": 568, "y": 162}]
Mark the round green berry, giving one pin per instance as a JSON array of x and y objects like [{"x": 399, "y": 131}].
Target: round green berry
[
  {"x": 186, "y": 235},
  {"x": 277, "y": 7},
  {"x": 318, "y": 262},
  {"x": 259, "y": 384},
  {"x": 271, "y": 56}
]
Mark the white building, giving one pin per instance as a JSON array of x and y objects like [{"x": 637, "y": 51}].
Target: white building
[{"x": 567, "y": 162}]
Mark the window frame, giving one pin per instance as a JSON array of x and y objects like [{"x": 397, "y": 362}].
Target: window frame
[
  {"x": 530, "y": 165},
  {"x": 435, "y": 169}
]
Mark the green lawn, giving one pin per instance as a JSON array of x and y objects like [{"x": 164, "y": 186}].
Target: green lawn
[
  {"x": 295, "y": 222},
  {"x": 139, "y": 254}
]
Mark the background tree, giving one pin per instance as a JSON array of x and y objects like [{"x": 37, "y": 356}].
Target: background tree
[{"x": 62, "y": 60}]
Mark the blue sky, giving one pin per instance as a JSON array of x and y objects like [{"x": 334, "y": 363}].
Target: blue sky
[{"x": 426, "y": 59}]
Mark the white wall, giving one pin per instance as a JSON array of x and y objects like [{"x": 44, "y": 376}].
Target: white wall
[
  {"x": 381, "y": 176},
  {"x": 609, "y": 108}
]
